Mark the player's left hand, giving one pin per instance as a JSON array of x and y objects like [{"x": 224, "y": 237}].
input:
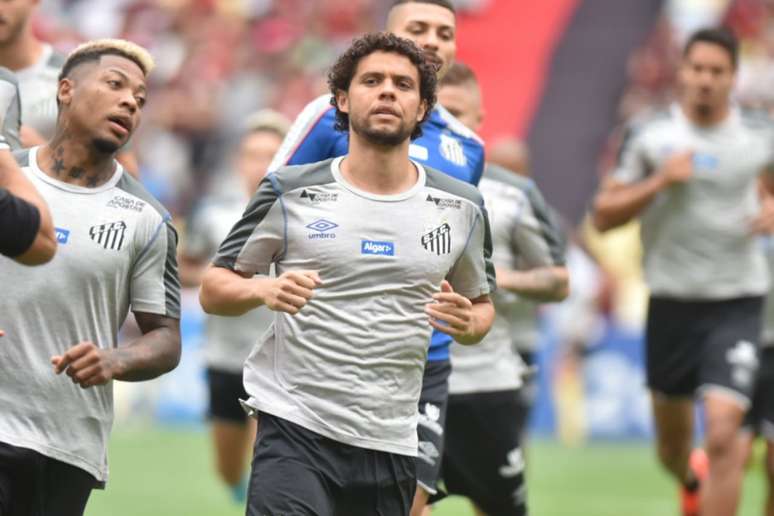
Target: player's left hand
[
  {"x": 451, "y": 313},
  {"x": 86, "y": 364}
]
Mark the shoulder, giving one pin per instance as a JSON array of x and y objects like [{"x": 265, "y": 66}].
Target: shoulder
[
  {"x": 445, "y": 183},
  {"x": 756, "y": 119},
  {"x": 450, "y": 122},
  {"x": 502, "y": 175},
  {"x": 22, "y": 157},
  {"x": 293, "y": 177},
  {"x": 8, "y": 76},
  {"x": 132, "y": 195},
  {"x": 55, "y": 61}
]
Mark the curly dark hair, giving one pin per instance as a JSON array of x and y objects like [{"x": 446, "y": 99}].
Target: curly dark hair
[{"x": 341, "y": 74}]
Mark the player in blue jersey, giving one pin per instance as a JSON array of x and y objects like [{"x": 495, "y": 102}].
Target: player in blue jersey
[{"x": 446, "y": 145}]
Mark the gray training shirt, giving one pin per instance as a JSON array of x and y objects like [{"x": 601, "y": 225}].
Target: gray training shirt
[
  {"x": 349, "y": 365},
  {"x": 116, "y": 252},
  {"x": 696, "y": 236},
  {"x": 524, "y": 237},
  {"x": 10, "y": 110},
  {"x": 228, "y": 340},
  {"x": 38, "y": 86}
]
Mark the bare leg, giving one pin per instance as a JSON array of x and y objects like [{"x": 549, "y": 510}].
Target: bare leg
[
  {"x": 232, "y": 448},
  {"x": 721, "y": 492},
  {"x": 419, "y": 506},
  {"x": 674, "y": 434},
  {"x": 770, "y": 477}
]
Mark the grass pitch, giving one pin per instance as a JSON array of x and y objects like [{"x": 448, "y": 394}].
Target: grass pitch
[{"x": 169, "y": 472}]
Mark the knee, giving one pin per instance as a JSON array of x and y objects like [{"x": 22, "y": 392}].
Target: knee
[{"x": 721, "y": 443}]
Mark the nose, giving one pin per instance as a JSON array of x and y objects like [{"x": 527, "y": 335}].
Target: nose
[
  {"x": 388, "y": 90},
  {"x": 429, "y": 41},
  {"x": 129, "y": 103}
]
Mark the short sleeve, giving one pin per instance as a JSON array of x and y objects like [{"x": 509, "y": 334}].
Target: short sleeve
[
  {"x": 632, "y": 164},
  {"x": 19, "y": 224},
  {"x": 312, "y": 137},
  {"x": 155, "y": 282},
  {"x": 258, "y": 239},
  {"x": 473, "y": 274}
]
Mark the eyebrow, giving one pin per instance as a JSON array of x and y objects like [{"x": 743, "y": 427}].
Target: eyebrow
[{"x": 126, "y": 77}]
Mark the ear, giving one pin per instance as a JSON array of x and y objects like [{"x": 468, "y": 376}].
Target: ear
[
  {"x": 64, "y": 93},
  {"x": 422, "y": 110},
  {"x": 342, "y": 101}
]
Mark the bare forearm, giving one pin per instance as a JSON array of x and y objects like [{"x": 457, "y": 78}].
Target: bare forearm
[
  {"x": 544, "y": 284},
  {"x": 615, "y": 206},
  {"x": 482, "y": 318},
  {"x": 155, "y": 353},
  {"x": 225, "y": 292}
]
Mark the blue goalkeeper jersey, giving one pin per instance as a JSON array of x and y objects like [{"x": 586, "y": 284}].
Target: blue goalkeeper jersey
[{"x": 445, "y": 145}]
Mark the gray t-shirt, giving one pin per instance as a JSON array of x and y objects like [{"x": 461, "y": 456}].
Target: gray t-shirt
[
  {"x": 349, "y": 365},
  {"x": 10, "y": 108},
  {"x": 696, "y": 237},
  {"x": 228, "y": 340},
  {"x": 524, "y": 236},
  {"x": 116, "y": 252},
  {"x": 768, "y": 311},
  {"x": 38, "y": 86}
]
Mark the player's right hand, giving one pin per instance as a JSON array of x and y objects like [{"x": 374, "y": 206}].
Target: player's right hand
[
  {"x": 678, "y": 168},
  {"x": 291, "y": 291}
]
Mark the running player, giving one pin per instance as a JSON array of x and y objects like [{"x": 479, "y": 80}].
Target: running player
[
  {"x": 26, "y": 230},
  {"x": 367, "y": 266},
  {"x": 116, "y": 252},
  {"x": 228, "y": 341},
  {"x": 760, "y": 418},
  {"x": 446, "y": 145},
  {"x": 484, "y": 399},
  {"x": 692, "y": 174}
]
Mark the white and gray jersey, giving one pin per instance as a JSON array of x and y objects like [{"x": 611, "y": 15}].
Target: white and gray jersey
[
  {"x": 228, "y": 340},
  {"x": 696, "y": 236},
  {"x": 524, "y": 236},
  {"x": 349, "y": 365},
  {"x": 38, "y": 86},
  {"x": 767, "y": 340},
  {"x": 116, "y": 252},
  {"x": 10, "y": 110}
]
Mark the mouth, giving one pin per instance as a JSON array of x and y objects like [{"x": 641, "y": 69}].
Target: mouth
[
  {"x": 434, "y": 59},
  {"x": 121, "y": 122},
  {"x": 385, "y": 111}
]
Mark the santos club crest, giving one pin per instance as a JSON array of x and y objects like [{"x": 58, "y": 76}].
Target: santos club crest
[{"x": 109, "y": 235}]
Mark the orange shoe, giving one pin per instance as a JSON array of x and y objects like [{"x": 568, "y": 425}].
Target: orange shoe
[{"x": 689, "y": 499}]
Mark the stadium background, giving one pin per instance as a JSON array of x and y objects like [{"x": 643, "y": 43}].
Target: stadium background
[{"x": 563, "y": 75}]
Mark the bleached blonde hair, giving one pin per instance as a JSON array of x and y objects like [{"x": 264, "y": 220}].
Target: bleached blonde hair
[{"x": 93, "y": 50}]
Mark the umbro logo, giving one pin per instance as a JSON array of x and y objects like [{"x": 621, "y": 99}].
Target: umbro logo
[
  {"x": 438, "y": 240},
  {"x": 319, "y": 197},
  {"x": 445, "y": 203},
  {"x": 110, "y": 235}
]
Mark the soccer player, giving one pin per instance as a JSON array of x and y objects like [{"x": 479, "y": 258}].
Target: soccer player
[
  {"x": 367, "y": 267},
  {"x": 26, "y": 230},
  {"x": 446, "y": 145},
  {"x": 37, "y": 66},
  {"x": 691, "y": 174},
  {"x": 228, "y": 341},
  {"x": 482, "y": 457},
  {"x": 760, "y": 418},
  {"x": 116, "y": 252}
]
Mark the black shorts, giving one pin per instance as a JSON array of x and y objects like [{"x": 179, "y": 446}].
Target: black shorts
[
  {"x": 432, "y": 419},
  {"x": 226, "y": 389},
  {"x": 760, "y": 417},
  {"x": 699, "y": 345},
  {"x": 32, "y": 484},
  {"x": 297, "y": 472},
  {"x": 483, "y": 460}
]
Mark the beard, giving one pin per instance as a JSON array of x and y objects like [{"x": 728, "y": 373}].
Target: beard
[
  {"x": 382, "y": 137},
  {"x": 105, "y": 146}
]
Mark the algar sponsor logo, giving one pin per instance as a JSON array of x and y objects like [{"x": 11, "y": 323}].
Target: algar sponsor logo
[{"x": 378, "y": 248}]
